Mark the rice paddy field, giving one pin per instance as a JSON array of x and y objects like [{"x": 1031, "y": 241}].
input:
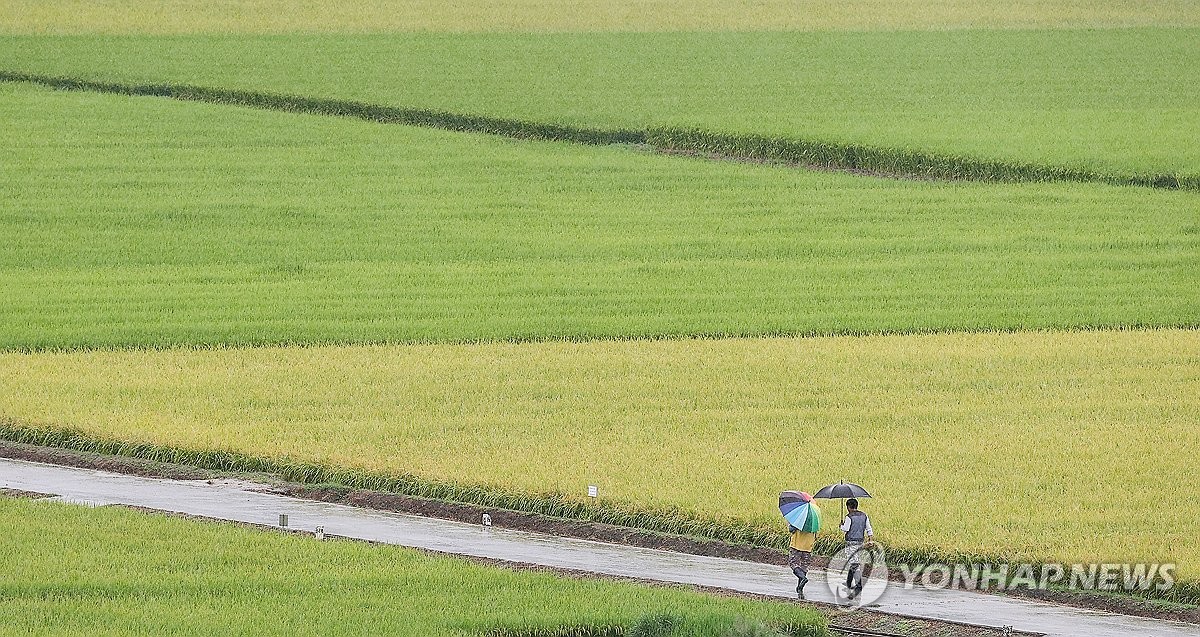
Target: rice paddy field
[
  {"x": 1000, "y": 362},
  {"x": 120, "y": 572},
  {"x": 533, "y": 16},
  {"x": 159, "y": 223},
  {"x": 981, "y": 429},
  {"x": 1042, "y": 97}
]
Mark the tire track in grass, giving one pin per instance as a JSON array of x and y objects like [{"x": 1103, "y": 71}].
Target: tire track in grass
[{"x": 862, "y": 159}]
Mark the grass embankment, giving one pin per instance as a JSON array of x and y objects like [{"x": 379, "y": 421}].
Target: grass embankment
[
  {"x": 1020, "y": 100},
  {"x": 288, "y": 16},
  {"x": 151, "y": 223},
  {"x": 1011, "y": 445},
  {"x": 119, "y": 572}
]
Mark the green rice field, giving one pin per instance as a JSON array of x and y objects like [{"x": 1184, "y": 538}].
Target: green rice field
[
  {"x": 1052, "y": 97},
  {"x": 158, "y": 223}
]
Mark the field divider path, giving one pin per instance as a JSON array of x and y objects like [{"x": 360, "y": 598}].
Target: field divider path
[
  {"x": 813, "y": 154},
  {"x": 248, "y": 502}
]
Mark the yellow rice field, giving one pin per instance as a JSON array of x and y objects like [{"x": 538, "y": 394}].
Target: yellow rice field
[
  {"x": 1051, "y": 445},
  {"x": 533, "y": 16}
]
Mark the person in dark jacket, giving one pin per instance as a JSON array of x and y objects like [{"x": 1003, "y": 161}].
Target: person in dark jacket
[{"x": 857, "y": 527}]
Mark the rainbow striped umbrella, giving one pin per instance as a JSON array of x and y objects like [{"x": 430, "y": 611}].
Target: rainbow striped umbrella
[{"x": 800, "y": 511}]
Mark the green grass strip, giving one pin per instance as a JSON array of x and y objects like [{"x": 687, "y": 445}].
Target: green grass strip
[
  {"x": 883, "y": 162},
  {"x": 662, "y": 520},
  {"x": 891, "y": 162}
]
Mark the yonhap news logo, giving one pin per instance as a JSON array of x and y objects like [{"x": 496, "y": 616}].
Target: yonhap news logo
[
  {"x": 859, "y": 576},
  {"x": 1111, "y": 577}
]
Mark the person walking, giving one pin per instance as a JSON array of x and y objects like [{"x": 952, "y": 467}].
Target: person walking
[
  {"x": 857, "y": 527},
  {"x": 804, "y": 521},
  {"x": 800, "y": 556}
]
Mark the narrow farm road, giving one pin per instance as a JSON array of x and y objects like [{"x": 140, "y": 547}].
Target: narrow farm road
[{"x": 247, "y": 502}]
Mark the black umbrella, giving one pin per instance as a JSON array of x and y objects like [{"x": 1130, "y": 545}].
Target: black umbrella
[{"x": 841, "y": 490}]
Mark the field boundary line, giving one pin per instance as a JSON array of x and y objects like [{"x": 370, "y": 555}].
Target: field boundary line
[
  {"x": 649, "y": 337},
  {"x": 426, "y": 118},
  {"x": 667, "y": 520},
  {"x": 865, "y": 160}
]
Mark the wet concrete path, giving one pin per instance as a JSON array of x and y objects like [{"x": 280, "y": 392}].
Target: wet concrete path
[{"x": 246, "y": 502}]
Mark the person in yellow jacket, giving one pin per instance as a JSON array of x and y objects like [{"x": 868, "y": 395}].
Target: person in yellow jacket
[{"x": 800, "y": 556}]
